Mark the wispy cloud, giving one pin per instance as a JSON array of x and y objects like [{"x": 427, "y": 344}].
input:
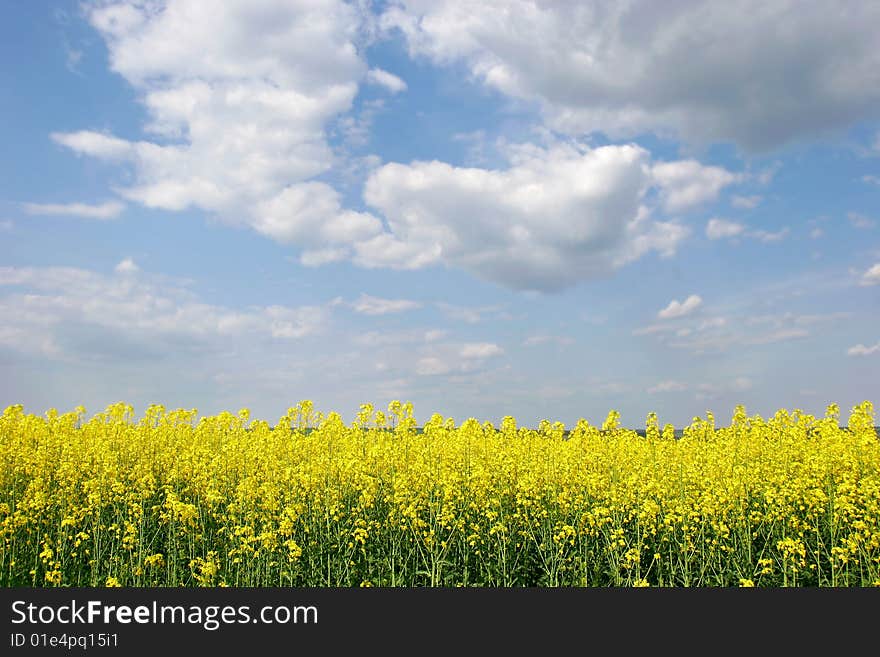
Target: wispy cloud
[
  {"x": 718, "y": 228},
  {"x": 462, "y": 358},
  {"x": 408, "y": 337},
  {"x": 369, "y": 305},
  {"x": 101, "y": 211},
  {"x": 768, "y": 236},
  {"x": 470, "y": 314},
  {"x": 714, "y": 390},
  {"x": 559, "y": 340},
  {"x": 71, "y": 311},
  {"x": 385, "y": 79},
  {"x": 860, "y": 221},
  {"x": 718, "y": 334},
  {"x": 668, "y": 386},
  {"x": 746, "y": 202}
]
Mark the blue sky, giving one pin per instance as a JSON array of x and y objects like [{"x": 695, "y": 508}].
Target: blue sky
[{"x": 546, "y": 210}]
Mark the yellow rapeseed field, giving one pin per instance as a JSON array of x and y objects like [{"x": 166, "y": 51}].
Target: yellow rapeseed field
[{"x": 171, "y": 499}]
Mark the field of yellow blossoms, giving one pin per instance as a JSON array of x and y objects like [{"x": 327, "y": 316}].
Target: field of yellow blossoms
[{"x": 171, "y": 499}]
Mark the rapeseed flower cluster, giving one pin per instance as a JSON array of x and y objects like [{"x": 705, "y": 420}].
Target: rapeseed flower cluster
[{"x": 172, "y": 499}]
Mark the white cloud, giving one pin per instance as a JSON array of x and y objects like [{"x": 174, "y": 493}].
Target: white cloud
[
  {"x": 721, "y": 333},
  {"x": 718, "y": 229},
  {"x": 238, "y": 123},
  {"x": 431, "y": 365},
  {"x": 780, "y": 335},
  {"x": 765, "y": 176},
  {"x": 463, "y": 358},
  {"x": 754, "y": 73},
  {"x": 712, "y": 322},
  {"x": 767, "y": 236},
  {"x": 126, "y": 266},
  {"x": 872, "y": 276},
  {"x": 6, "y": 225},
  {"x": 480, "y": 350},
  {"x": 432, "y": 335},
  {"x": 457, "y": 359},
  {"x": 71, "y": 311},
  {"x": 816, "y": 233},
  {"x": 72, "y": 59},
  {"x": 101, "y": 211},
  {"x": 611, "y": 388},
  {"x": 95, "y": 144},
  {"x": 557, "y": 216},
  {"x": 871, "y": 180},
  {"x": 368, "y": 305},
  {"x": 746, "y": 202},
  {"x": 469, "y": 315},
  {"x": 687, "y": 183},
  {"x": 238, "y": 101},
  {"x": 668, "y": 386},
  {"x": 318, "y": 257},
  {"x": 741, "y": 384},
  {"x": 653, "y": 329},
  {"x": 310, "y": 214},
  {"x": 860, "y": 221},
  {"x": 862, "y": 350},
  {"x": 534, "y": 340},
  {"x": 385, "y": 79},
  {"x": 714, "y": 391},
  {"x": 680, "y": 309}
]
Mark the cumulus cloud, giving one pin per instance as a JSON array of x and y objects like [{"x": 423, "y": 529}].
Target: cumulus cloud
[
  {"x": 101, "y": 211},
  {"x": 237, "y": 124},
  {"x": 385, "y": 79},
  {"x": 238, "y": 102},
  {"x": 862, "y": 350},
  {"x": 681, "y": 308},
  {"x": 556, "y": 216},
  {"x": 756, "y": 74},
  {"x": 687, "y": 183},
  {"x": 368, "y": 305}
]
